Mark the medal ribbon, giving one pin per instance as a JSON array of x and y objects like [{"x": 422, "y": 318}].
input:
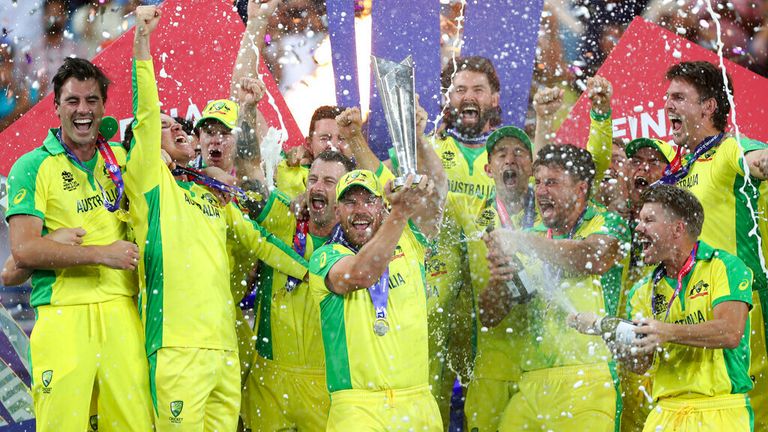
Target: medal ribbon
[
  {"x": 210, "y": 182},
  {"x": 480, "y": 139},
  {"x": 661, "y": 272},
  {"x": 379, "y": 291},
  {"x": 676, "y": 171},
  {"x": 300, "y": 246},
  {"x": 528, "y": 217},
  {"x": 111, "y": 165}
]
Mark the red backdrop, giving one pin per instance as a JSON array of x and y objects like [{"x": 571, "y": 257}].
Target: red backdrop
[
  {"x": 194, "y": 50},
  {"x": 636, "y": 68}
]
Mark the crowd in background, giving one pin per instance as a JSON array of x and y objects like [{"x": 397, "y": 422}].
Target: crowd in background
[{"x": 38, "y": 34}]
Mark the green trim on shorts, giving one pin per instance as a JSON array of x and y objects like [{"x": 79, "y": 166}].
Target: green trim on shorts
[
  {"x": 153, "y": 379},
  {"x": 619, "y": 403}
]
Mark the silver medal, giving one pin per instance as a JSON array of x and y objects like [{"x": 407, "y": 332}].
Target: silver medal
[{"x": 380, "y": 326}]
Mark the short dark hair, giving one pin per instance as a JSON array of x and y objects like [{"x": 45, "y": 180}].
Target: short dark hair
[
  {"x": 334, "y": 156},
  {"x": 680, "y": 202},
  {"x": 128, "y": 136},
  {"x": 472, "y": 64},
  {"x": 707, "y": 79},
  {"x": 186, "y": 125},
  {"x": 82, "y": 70},
  {"x": 322, "y": 113},
  {"x": 575, "y": 161}
]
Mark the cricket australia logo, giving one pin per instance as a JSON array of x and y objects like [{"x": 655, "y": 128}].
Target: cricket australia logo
[
  {"x": 176, "y": 407},
  {"x": 69, "y": 183},
  {"x": 449, "y": 159},
  {"x": 700, "y": 289},
  {"x": 46, "y": 379}
]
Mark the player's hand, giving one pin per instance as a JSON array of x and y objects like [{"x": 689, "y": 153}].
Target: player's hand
[
  {"x": 147, "y": 18},
  {"x": 583, "y": 322},
  {"x": 121, "y": 255},
  {"x": 167, "y": 159},
  {"x": 421, "y": 119},
  {"x": 503, "y": 241},
  {"x": 300, "y": 206},
  {"x": 261, "y": 10},
  {"x": 219, "y": 174},
  {"x": 350, "y": 123},
  {"x": 411, "y": 197},
  {"x": 651, "y": 336},
  {"x": 296, "y": 156},
  {"x": 251, "y": 91},
  {"x": 547, "y": 101},
  {"x": 599, "y": 91},
  {"x": 67, "y": 236}
]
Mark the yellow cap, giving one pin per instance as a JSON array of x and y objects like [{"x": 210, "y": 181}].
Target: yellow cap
[
  {"x": 223, "y": 110},
  {"x": 661, "y": 146},
  {"x": 363, "y": 178}
]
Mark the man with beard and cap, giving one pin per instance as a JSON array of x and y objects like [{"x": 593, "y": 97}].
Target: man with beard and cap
[
  {"x": 711, "y": 163},
  {"x": 579, "y": 244},
  {"x": 286, "y": 389},
  {"x": 86, "y": 345},
  {"x": 189, "y": 317},
  {"x": 369, "y": 282},
  {"x": 471, "y": 113},
  {"x": 499, "y": 343},
  {"x": 693, "y": 320}
]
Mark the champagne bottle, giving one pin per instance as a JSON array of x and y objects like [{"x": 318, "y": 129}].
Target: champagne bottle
[
  {"x": 617, "y": 330},
  {"x": 521, "y": 286}
]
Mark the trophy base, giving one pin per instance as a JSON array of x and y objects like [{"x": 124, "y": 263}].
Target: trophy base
[{"x": 400, "y": 181}]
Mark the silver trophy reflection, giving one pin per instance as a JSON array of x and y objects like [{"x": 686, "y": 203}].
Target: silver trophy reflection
[{"x": 397, "y": 89}]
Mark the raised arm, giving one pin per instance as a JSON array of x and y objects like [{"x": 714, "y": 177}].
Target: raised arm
[
  {"x": 546, "y": 103},
  {"x": 247, "y": 62},
  {"x": 145, "y": 164},
  {"x": 350, "y": 124},
  {"x": 600, "y": 142}
]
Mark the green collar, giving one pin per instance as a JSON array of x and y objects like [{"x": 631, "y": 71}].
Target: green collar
[{"x": 52, "y": 144}]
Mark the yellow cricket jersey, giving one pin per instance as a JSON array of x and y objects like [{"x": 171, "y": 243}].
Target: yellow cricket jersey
[
  {"x": 554, "y": 343},
  {"x": 500, "y": 348},
  {"x": 355, "y": 357},
  {"x": 717, "y": 180},
  {"x": 690, "y": 372},
  {"x": 292, "y": 181},
  {"x": 182, "y": 233},
  {"x": 45, "y": 183},
  {"x": 288, "y": 326}
]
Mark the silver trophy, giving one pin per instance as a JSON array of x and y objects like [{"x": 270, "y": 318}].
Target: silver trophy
[{"x": 397, "y": 88}]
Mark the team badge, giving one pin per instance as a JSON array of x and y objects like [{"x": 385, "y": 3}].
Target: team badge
[
  {"x": 176, "y": 407},
  {"x": 46, "y": 379},
  {"x": 449, "y": 159}
]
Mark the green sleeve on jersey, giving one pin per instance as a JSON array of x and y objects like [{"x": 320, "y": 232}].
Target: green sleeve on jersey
[
  {"x": 750, "y": 144},
  {"x": 276, "y": 215},
  {"x": 144, "y": 166},
  {"x": 24, "y": 198},
  {"x": 735, "y": 281},
  {"x": 600, "y": 142},
  {"x": 263, "y": 245},
  {"x": 326, "y": 257},
  {"x": 614, "y": 226},
  {"x": 383, "y": 175},
  {"x": 638, "y": 302}
]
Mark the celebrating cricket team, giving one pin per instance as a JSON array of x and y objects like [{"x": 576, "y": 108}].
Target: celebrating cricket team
[{"x": 481, "y": 262}]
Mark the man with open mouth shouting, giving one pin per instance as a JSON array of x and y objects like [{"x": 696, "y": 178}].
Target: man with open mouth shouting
[{"x": 711, "y": 163}]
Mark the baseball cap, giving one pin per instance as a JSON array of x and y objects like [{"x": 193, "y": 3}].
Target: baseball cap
[
  {"x": 507, "y": 131},
  {"x": 661, "y": 146},
  {"x": 363, "y": 178},
  {"x": 223, "y": 110}
]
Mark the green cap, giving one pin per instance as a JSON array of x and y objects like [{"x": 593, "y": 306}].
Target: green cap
[
  {"x": 108, "y": 127},
  {"x": 661, "y": 146},
  {"x": 507, "y": 131}
]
